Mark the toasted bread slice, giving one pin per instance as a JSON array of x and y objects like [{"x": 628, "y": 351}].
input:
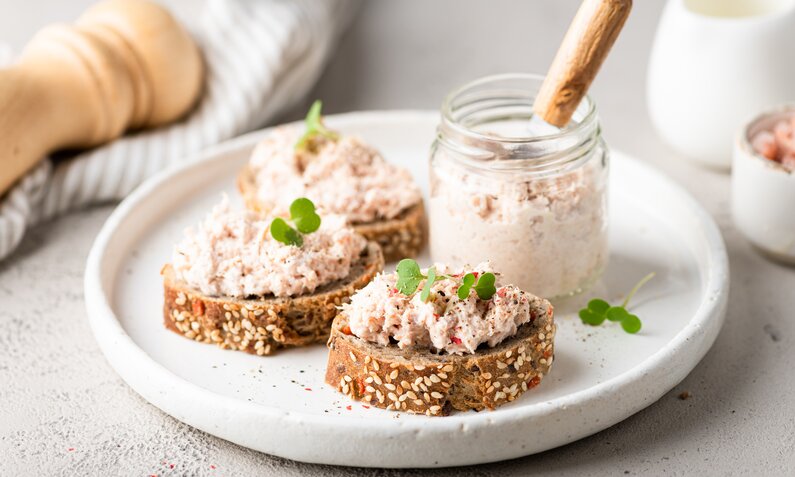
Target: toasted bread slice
[
  {"x": 263, "y": 325},
  {"x": 401, "y": 237},
  {"x": 419, "y": 381}
]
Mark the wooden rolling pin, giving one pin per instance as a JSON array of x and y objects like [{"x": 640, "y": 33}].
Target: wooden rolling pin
[
  {"x": 585, "y": 46},
  {"x": 125, "y": 64}
]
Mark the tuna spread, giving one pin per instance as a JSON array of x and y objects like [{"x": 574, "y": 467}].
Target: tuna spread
[
  {"x": 546, "y": 235},
  {"x": 379, "y": 313},
  {"x": 344, "y": 176},
  {"x": 232, "y": 253}
]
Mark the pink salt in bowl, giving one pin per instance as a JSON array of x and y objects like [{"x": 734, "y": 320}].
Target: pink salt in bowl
[{"x": 763, "y": 182}]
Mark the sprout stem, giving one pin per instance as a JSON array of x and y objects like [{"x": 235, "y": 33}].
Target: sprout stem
[{"x": 636, "y": 288}]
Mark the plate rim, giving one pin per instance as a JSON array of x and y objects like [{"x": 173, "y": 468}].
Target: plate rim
[{"x": 105, "y": 324}]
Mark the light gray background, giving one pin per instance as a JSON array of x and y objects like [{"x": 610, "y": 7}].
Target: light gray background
[{"x": 63, "y": 411}]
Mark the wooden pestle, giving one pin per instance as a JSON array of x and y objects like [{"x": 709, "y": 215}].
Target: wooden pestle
[
  {"x": 587, "y": 42},
  {"x": 125, "y": 64}
]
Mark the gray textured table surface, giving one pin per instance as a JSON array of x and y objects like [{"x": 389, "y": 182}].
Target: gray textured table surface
[{"x": 63, "y": 411}]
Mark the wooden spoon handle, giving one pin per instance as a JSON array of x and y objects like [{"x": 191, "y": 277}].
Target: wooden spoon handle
[
  {"x": 585, "y": 46},
  {"x": 125, "y": 64}
]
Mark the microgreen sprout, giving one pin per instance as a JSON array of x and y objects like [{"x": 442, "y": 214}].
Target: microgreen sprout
[
  {"x": 599, "y": 310},
  {"x": 303, "y": 217},
  {"x": 410, "y": 276},
  {"x": 314, "y": 127}
]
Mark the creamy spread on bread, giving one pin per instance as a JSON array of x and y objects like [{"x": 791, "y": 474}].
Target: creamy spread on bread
[
  {"x": 231, "y": 253},
  {"x": 380, "y": 314},
  {"x": 343, "y": 176}
]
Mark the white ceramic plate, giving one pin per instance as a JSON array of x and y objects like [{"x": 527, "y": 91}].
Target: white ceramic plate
[{"x": 280, "y": 404}]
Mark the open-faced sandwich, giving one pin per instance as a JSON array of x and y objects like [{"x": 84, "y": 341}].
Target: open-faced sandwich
[
  {"x": 342, "y": 175},
  {"x": 254, "y": 285},
  {"x": 429, "y": 342}
]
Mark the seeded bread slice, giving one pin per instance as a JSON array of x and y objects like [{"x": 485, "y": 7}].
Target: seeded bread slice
[
  {"x": 399, "y": 238},
  {"x": 263, "y": 325},
  {"x": 422, "y": 382}
]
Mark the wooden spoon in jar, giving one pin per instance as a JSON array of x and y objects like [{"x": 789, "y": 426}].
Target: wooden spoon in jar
[{"x": 585, "y": 46}]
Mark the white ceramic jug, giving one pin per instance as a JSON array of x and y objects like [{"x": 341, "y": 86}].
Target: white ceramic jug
[{"x": 714, "y": 64}]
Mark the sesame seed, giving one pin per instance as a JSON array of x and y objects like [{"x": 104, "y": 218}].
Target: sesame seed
[
  {"x": 542, "y": 361},
  {"x": 435, "y": 409},
  {"x": 541, "y": 336},
  {"x": 390, "y": 386},
  {"x": 436, "y": 395},
  {"x": 524, "y": 386},
  {"x": 392, "y": 396},
  {"x": 497, "y": 384},
  {"x": 380, "y": 396},
  {"x": 423, "y": 387},
  {"x": 508, "y": 354},
  {"x": 418, "y": 380},
  {"x": 260, "y": 351},
  {"x": 501, "y": 365},
  {"x": 394, "y": 374},
  {"x": 521, "y": 350},
  {"x": 376, "y": 366},
  {"x": 403, "y": 405},
  {"x": 486, "y": 375},
  {"x": 435, "y": 379},
  {"x": 345, "y": 389},
  {"x": 347, "y": 378},
  {"x": 427, "y": 380},
  {"x": 377, "y": 380},
  {"x": 415, "y": 387},
  {"x": 448, "y": 368},
  {"x": 499, "y": 395},
  {"x": 443, "y": 375},
  {"x": 366, "y": 359},
  {"x": 411, "y": 395},
  {"x": 427, "y": 397},
  {"x": 403, "y": 397},
  {"x": 353, "y": 356},
  {"x": 419, "y": 367},
  {"x": 394, "y": 365},
  {"x": 368, "y": 397},
  {"x": 369, "y": 389},
  {"x": 418, "y": 402},
  {"x": 369, "y": 380},
  {"x": 270, "y": 327},
  {"x": 489, "y": 390}
]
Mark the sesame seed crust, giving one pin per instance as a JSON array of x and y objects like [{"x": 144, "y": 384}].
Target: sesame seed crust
[
  {"x": 400, "y": 237},
  {"x": 261, "y": 326},
  {"x": 425, "y": 383}
]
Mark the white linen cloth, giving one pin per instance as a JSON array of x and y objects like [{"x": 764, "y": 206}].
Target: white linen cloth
[{"x": 262, "y": 57}]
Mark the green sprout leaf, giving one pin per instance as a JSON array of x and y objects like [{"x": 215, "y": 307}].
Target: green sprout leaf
[
  {"x": 426, "y": 290},
  {"x": 485, "y": 286},
  {"x": 599, "y": 310},
  {"x": 314, "y": 127},
  {"x": 284, "y": 233},
  {"x": 303, "y": 215},
  {"x": 631, "y": 324},
  {"x": 409, "y": 276},
  {"x": 466, "y": 286},
  {"x": 617, "y": 313}
]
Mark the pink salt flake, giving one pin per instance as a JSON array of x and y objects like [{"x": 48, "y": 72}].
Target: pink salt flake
[
  {"x": 777, "y": 145},
  {"x": 765, "y": 144}
]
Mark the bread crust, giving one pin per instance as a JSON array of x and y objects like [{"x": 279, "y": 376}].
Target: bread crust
[
  {"x": 262, "y": 326},
  {"x": 400, "y": 237},
  {"x": 421, "y": 382}
]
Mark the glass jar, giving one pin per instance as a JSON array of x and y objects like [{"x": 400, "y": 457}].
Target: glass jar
[{"x": 508, "y": 188}]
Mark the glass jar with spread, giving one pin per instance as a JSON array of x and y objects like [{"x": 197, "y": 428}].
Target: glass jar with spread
[{"x": 511, "y": 189}]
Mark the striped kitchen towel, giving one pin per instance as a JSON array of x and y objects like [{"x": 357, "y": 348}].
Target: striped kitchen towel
[{"x": 262, "y": 57}]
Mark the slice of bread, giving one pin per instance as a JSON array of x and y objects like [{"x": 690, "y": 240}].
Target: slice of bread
[
  {"x": 419, "y": 381},
  {"x": 263, "y": 325},
  {"x": 401, "y": 237}
]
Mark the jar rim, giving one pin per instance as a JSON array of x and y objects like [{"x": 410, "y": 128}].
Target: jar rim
[{"x": 571, "y": 129}]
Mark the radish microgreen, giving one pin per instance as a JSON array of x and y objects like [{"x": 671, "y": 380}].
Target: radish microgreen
[
  {"x": 314, "y": 127},
  {"x": 599, "y": 310},
  {"x": 410, "y": 276},
  {"x": 303, "y": 217}
]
